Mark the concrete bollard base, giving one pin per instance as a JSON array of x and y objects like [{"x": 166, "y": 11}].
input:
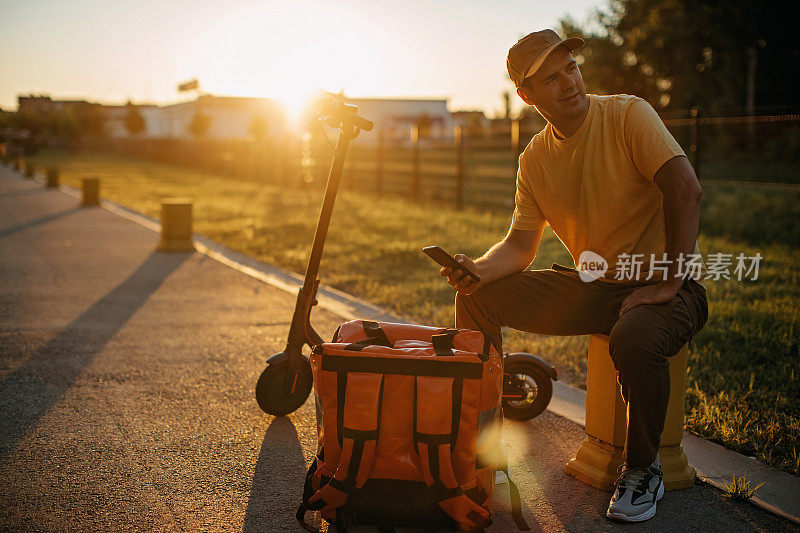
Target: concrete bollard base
[
  {"x": 678, "y": 473},
  {"x": 597, "y": 460},
  {"x": 176, "y": 225},
  {"x": 596, "y": 464}
]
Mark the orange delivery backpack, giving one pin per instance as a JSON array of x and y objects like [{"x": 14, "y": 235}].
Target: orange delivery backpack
[{"x": 408, "y": 427}]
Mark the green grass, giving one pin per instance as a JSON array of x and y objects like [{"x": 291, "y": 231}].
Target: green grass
[
  {"x": 739, "y": 488},
  {"x": 744, "y": 377}
]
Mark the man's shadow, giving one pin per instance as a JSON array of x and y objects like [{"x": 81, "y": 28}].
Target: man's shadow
[
  {"x": 30, "y": 392},
  {"x": 276, "y": 490}
]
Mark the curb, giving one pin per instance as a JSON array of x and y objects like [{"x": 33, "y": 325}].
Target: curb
[{"x": 714, "y": 464}]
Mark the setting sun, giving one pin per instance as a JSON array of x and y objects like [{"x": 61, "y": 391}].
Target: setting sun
[{"x": 289, "y": 51}]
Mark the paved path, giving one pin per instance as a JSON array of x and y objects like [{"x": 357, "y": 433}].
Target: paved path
[{"x": 126, "y": 401}]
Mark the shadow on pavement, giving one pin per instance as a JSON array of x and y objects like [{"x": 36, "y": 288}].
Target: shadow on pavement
[
  {"x": 29, "y": 392},
  {"x": 36, "y": 222},
  {"x": 21, "y": 191},
  {"x": 280, "y": 468}
]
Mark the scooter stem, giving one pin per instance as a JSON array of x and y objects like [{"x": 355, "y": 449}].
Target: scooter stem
[
  {"x": 301, "y": 332},
  {"x": 334, "y": 176}
]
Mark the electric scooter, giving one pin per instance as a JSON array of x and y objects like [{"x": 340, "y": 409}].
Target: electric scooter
[{"x": 286, "y": 382}]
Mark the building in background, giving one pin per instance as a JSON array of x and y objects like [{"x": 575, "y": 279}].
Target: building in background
[
  {"x": 225, "y": 118},
  {"x": 45, "y": 104},
  {"x": 396, "y": 116},
  {"x": 116, "y": 116},
  {"x": 240, "y": 118}
]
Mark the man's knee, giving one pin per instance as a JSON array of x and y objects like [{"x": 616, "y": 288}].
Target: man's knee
[
  {"x": 632, "y": 343},
  {"x": 480, "y": 299},
  {"x": 478, "y": 306}
]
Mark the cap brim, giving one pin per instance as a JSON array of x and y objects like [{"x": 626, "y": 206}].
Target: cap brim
[{"x": 573, "y": 43}]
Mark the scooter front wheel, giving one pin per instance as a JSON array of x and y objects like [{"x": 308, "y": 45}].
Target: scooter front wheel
[
  {"x": 527, "y": 390},
  {"x": 273, "y": 395}
]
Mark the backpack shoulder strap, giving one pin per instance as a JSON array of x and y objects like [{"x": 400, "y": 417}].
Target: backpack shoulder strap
[
  {"x": 437, "y": 412},
  {"x": 359, "y": 403}
]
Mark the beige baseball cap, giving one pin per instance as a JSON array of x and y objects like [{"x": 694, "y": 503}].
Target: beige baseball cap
[{"x": 525, "y": 57}]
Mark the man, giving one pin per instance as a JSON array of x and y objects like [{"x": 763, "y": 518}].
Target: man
[{"x": 611, "y": 181}]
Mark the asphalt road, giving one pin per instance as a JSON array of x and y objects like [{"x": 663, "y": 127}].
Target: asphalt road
[{"x": 126, "y": 394}]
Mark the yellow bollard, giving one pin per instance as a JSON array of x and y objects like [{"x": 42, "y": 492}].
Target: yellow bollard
[
  {"x": 600, "y": 455},
  {"x": 4, "y": 152},
  {"x": 52, "y": 177},
  {"x": 176, "y": 225},
  {"x": 18, "y": 163},
  {"x": 30, "y": 170},
  {"x": 91, "y": 192}
]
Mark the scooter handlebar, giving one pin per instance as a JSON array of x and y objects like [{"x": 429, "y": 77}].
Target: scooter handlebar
[
  {"x": 361, "y": 122},
  {"x": 339, "y": 113}
]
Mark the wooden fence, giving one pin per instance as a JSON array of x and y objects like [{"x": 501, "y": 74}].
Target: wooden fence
[{"x": 476, "y": 171}]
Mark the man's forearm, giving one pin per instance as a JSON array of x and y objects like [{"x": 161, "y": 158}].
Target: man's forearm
[
  {"x": 681, "y": 197},
  {"x": 509, "y": 256}
]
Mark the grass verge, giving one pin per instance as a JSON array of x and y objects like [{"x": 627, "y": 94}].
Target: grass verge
[{"x": 744, "y": 376}]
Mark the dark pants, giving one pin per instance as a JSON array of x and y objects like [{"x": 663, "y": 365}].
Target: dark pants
[{"x": 557, "y": 302}]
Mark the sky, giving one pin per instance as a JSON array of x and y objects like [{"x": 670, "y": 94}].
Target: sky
[{"x": 112, "y": 51}]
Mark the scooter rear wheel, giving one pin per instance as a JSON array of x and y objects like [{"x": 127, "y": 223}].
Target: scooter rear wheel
[
  {"x": 271, "y": 391},
  {"x": 527, "y": 390}
]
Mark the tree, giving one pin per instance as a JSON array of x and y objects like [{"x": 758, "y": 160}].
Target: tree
[
  {"x": 474, "y": 126},
  {"x": 199, "y": 125},
  {"x": 65, "y": 124},
  {"x": 681, "y": 53},
  {"x": 90, "y": 118},
  {"x": 134, "y": 121}
]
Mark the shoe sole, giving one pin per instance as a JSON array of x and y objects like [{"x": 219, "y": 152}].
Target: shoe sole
[{"x": 647, "y": 515}]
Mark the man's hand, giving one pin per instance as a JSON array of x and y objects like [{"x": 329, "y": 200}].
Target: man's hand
[
  {"x": 458, "y": 279},
  {"x": 651, "y": 294}
]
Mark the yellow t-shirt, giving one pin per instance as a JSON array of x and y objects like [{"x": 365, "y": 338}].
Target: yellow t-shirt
[{"x": 596, "y": 191}]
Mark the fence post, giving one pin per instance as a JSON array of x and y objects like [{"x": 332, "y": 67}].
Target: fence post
[
  {"x": 694, "y": 142},
  {"x": 515, "y": 137},
  {"x": 379, "y": 163},
  {"x": 415, "y": 163},
  {"x": 458, "y": 137}
]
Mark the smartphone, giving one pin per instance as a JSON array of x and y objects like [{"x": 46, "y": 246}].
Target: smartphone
[{"x": 447, "y": 260}]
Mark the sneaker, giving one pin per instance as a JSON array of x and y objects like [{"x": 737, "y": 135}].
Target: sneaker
[{"x": 637, "y": 491}]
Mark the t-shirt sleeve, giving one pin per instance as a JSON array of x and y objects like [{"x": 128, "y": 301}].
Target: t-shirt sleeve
[
  {"x": 649, "y": 141},
  {"x": 527, "y": 214}
]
